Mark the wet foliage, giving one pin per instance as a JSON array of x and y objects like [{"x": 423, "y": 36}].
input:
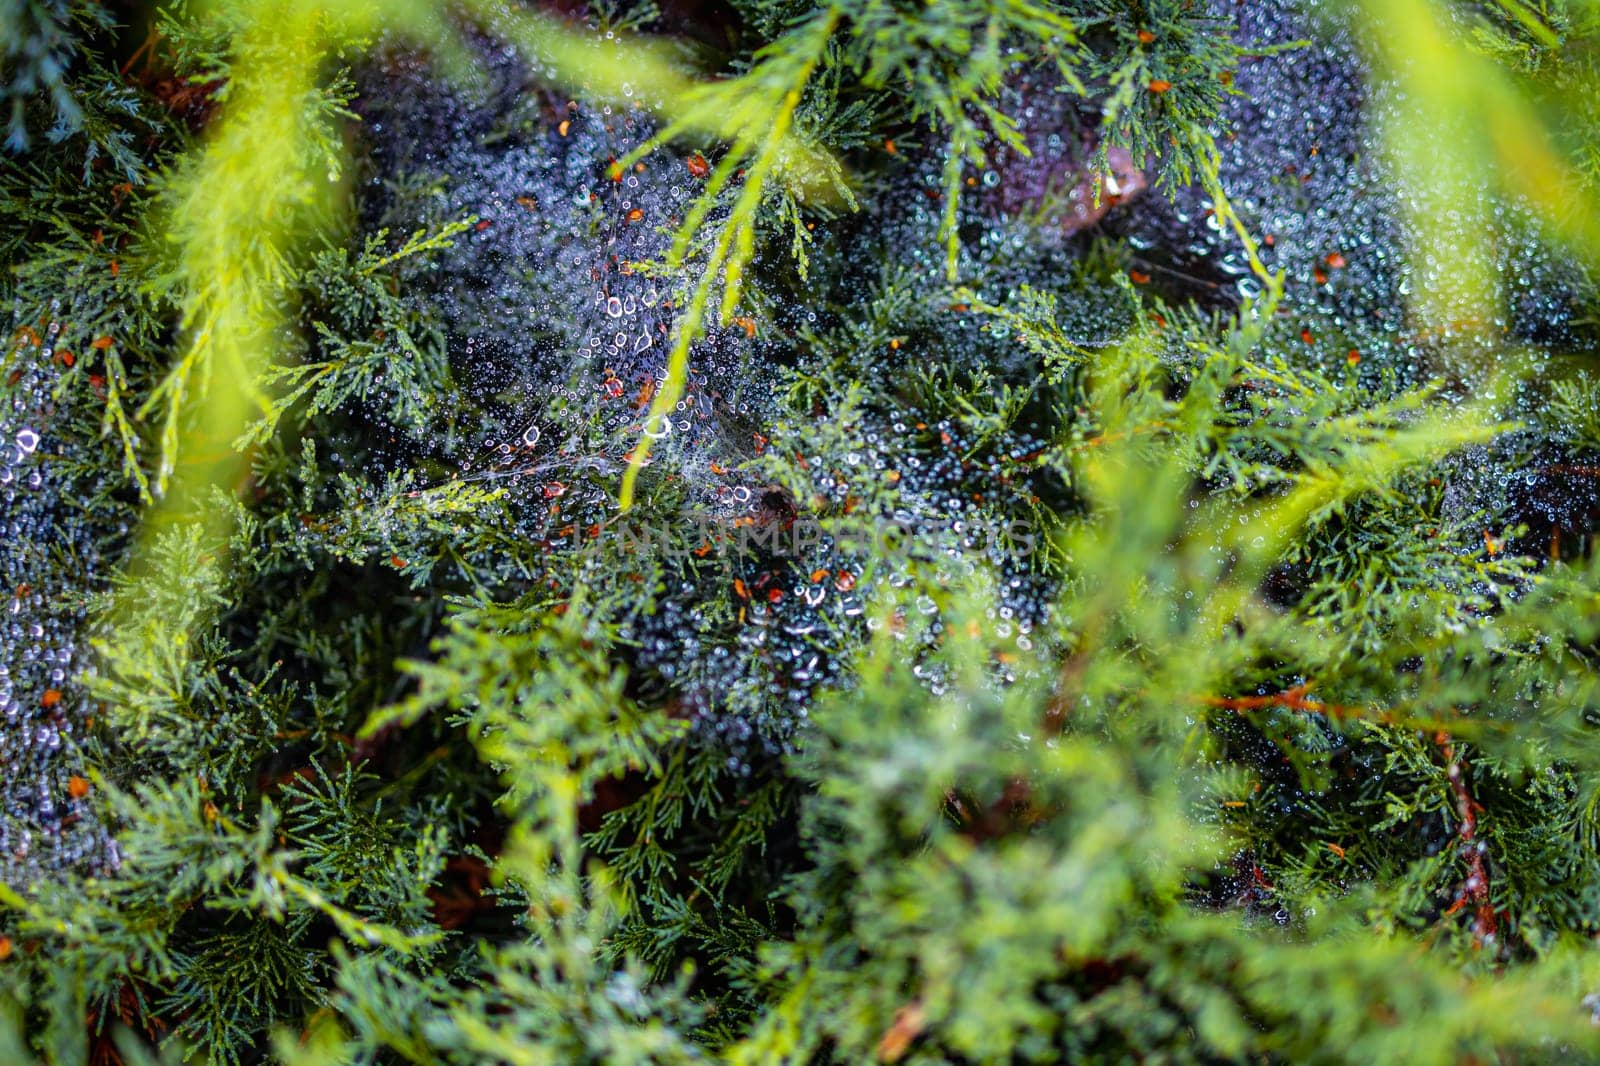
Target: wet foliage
[{"x": 878, "y": 531}]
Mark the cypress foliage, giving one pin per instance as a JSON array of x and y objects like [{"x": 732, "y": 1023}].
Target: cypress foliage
[{"x": 977, "y": 531}]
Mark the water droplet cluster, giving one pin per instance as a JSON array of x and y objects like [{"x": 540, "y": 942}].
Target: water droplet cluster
[
  {"x": 560, "y": 327},
  {"x": 555, "y": 319},
  {"x": 1306, "y": 166},
  {"x": 46, "y": 554}
]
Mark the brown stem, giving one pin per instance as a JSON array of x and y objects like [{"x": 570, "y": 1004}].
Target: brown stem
[
  {"x": 1298, "y": 698},
  {"x": 1475, "y": 889}
]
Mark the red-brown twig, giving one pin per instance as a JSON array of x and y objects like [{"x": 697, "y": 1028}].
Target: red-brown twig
[
  {"x": 1475, "y": 889},
  {"x": 1298, "y": 698}
]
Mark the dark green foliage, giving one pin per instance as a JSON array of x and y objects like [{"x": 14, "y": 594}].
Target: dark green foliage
[
  {"x": 41, "y": 44},
  {"x": 1023, "y": 663}
]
